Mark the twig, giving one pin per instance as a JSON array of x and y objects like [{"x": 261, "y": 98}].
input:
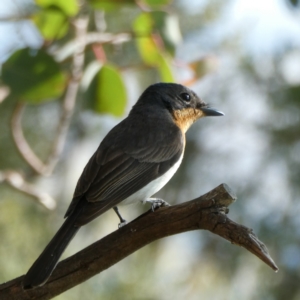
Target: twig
[
  {"x": 102, "y": 38},
  {"x": 206, "y": 212},
  {"x": 20, "y": 141},
  {"x": 92, "y": 38},
  {"x": 15, "y": 18},
  {"x": 69, "y": 101},
  {"x": 80, "y": 25},
  {"x": 17, "y": 181}
]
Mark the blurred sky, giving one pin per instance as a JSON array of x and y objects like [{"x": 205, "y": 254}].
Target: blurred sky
[{"x": 267, "y": 25}]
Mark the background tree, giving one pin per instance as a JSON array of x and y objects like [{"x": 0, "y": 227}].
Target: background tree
[{"x": 65, "y": 62}]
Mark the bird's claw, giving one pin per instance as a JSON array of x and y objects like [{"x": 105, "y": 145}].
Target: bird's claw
[
  {"x": 156, "y": 203},
  {"x": 121, "y": 224},
  {"x": 122, "y": 221}
]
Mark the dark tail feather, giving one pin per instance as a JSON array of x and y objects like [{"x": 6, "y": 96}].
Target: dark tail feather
[{"x": 42, "y": 268}]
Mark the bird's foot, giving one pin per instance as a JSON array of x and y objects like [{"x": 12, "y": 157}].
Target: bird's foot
[
  {"x": 156, "y": 203},
  {"x": 122, "y": 221}
]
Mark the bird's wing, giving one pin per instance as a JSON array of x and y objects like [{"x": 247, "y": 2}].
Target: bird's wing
[{"x": 122, "y": 165}]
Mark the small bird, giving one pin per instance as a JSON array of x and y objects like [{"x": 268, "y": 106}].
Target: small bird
[{"x": 133, "y": 162}]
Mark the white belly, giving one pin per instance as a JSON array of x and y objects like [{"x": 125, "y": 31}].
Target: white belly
[{"x": 153, "y": 187}]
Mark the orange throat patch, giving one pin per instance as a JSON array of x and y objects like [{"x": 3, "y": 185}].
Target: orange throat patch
[{"x": 184, "y": 118}]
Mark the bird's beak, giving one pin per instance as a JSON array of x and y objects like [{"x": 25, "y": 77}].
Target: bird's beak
[{"x": 211, "y": 112}]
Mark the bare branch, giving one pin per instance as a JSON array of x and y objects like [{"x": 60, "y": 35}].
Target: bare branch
[
  {"x": 103, "y": 38},
  {"x": 92, "y": 38},
  {"x": 25, "y": 150},
  {"x": 80, "y": 25},
  {"x": 206, "y": 212},
  {"x": 15, "y": 18},
  {"x": 69, "y": 101},
  {"x": 4, "y": 92},
  {"x": 17, "y": 181}
]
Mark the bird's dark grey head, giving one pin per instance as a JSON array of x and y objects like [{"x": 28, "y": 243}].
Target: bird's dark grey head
[{"x": 175, "y": 97}]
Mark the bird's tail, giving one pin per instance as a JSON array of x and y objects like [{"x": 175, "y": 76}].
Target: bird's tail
[{"x": 42, "y": 268}]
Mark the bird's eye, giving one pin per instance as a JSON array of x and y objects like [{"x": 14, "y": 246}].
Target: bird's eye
[{"x": 186, "y": 97}]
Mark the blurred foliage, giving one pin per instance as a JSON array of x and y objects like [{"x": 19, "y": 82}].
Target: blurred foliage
[
  {"x": 33, "y": 76},
  {"x": 52, "y": 18},
  {"x": 294, "y": 2},
  {"x": 255, "y": 149},
  {"x": 111, "y": 91},
  {"x": 155, "y": 39}
]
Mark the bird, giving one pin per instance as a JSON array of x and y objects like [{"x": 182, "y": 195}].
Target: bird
[{"x": 134, "y": 161}]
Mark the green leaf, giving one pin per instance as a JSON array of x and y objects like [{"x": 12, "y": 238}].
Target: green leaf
[
  {"x": 142, "y": 27},
  {"x": 162, "y": 24},
  {"x": 155, "y": 3},
  {"x": 168, "y": 27},
  {"x": 68, "y": 7},
  {"x": 153, "y": 56},
  {"x": 52, "y": 23},
  {"x": 151, "y": 46},
  {"x": 164, "y": 69},
  {"x": 111, "y": 92},
  {"x": 109, "y": 5},
  {"x": 53, "y": 18},
  {"x": 148, "y": 50},
  {"x": 33, "y": 76},
  {"x": 143, "y": 24}
]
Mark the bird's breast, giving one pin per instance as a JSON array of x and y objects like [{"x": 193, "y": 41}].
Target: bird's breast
[{"x": 154, "y": 186}]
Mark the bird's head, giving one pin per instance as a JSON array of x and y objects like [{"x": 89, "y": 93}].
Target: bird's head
[{"x": 183, "y": 104}]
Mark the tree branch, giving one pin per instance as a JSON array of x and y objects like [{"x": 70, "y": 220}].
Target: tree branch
[
  {"x": 21, "y": 143},
  {"x": 80, "y": 25},
  {"x": 17, "y": 181},
  {"x": 206, "y": 212},
  {"x": 68, "y": 105}
]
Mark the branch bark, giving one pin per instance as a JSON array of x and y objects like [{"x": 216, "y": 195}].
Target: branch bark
[{"x": 206, "y": 212}]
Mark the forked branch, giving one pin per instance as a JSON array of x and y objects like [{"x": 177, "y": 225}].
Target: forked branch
[{"x": 206, "y": 212}]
